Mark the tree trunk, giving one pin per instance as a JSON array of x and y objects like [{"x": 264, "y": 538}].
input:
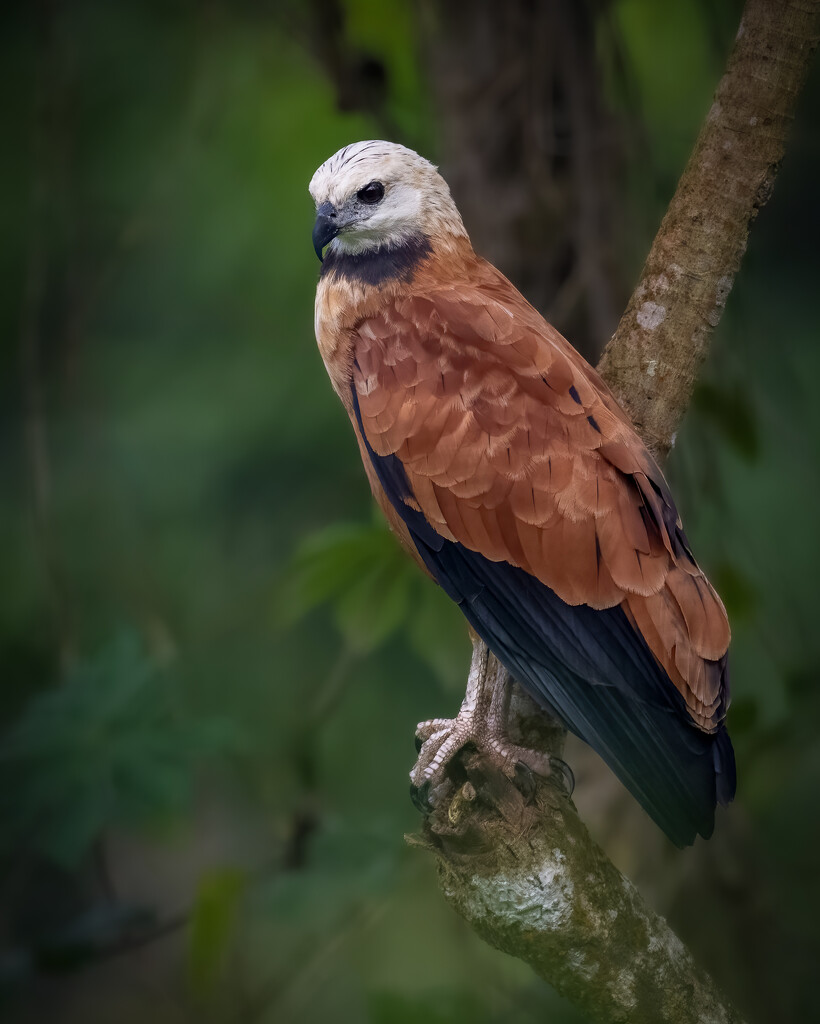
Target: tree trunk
[{"x": 527, "y": 146}]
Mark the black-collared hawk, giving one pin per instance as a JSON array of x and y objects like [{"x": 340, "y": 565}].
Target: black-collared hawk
[{"x": 512, "y": 475}]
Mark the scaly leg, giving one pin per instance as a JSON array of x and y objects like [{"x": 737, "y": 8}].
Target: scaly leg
[{"x": 482, "y": 721}]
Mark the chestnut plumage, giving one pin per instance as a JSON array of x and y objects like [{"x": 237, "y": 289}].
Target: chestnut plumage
[{"x": 512, "y": 475}]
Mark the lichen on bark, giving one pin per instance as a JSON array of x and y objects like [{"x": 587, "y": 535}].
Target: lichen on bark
[{"x": 516, "y": 861}]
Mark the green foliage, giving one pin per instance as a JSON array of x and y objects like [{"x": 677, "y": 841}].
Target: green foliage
[
  {"x": 212, "y": 926},
  {"x": 375, "y": 590},
  {"x": 361, "y": 571},
  {"x": 352, "y": 864},
  {"x": 110, "y": 744}
]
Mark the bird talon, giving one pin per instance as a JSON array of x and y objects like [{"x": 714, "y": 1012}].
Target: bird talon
[
  {"x": 566, "y": 774},
  {"x": 420, "y": 795},
  {"x": 525, "y": 780}
]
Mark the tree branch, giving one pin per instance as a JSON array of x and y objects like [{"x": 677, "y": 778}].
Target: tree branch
[
  {"x": 515, "y": 860},
  {"x": 653, "y": 359}
]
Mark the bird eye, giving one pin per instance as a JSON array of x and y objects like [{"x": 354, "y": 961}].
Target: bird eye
[{"x": 372, "y": 193}]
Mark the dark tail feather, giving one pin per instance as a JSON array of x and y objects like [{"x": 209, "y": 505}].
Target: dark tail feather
[
  {"x": 594, "y": 672},
  {"x": 725, "y": 770},
  {"x": 591, "y": 669}
]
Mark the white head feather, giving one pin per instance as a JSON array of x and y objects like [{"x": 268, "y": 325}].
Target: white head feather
[{"x": 416, "y": 198}]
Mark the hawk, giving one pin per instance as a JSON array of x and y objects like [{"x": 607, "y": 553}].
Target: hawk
[{"x": 510, "y": 473}]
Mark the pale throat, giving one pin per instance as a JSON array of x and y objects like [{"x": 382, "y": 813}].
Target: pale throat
[
  {"x": 361, "y": 240},
  {"x": 354, "y": 243}
]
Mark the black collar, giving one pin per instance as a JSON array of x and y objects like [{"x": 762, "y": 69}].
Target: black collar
[{"x": 377, "y": 266}]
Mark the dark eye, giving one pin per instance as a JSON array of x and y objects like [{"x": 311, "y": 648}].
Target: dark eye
[{"x": 372, "y": 193}]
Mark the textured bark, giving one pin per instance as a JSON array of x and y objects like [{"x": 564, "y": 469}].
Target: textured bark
[
  {"x": 517, "y": 863},
  {"x": 653, "y": 359},
  {"x": 514, "y": 859}
]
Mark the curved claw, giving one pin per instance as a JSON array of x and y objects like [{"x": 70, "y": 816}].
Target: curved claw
[
  {"x": 525, "y": 780},
  {"x": 525, "y": 776},
  {"x": 420, "y": 795},
  {"x": 567, "y": 775}
]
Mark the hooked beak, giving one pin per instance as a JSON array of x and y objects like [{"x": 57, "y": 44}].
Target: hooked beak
[{"x": 325, "y": 229}]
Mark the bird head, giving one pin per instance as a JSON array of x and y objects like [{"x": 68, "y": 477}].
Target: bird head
[{"x": 380, "y": 194}]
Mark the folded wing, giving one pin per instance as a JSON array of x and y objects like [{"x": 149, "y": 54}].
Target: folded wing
[{"x": 499, "y": 447}]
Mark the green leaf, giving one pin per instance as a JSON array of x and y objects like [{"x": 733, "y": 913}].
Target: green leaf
[
  {"x": 332, "y": 562},
  {"x": 111, "y": 743},
  {"x": 374, "y": 590},
  {"x": 374, "y": 606},
  {"x": 437, "y": 632},
  {"x": 213, "y": 921}
]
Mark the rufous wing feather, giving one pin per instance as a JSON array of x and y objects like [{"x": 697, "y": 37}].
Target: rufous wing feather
[{"x": 514, "y": 448}]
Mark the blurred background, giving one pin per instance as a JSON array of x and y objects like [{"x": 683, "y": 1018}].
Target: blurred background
[{"x": 213, "y": 656}]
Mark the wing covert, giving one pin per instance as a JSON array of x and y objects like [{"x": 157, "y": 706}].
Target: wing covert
[{"x": 513, "y": 447}]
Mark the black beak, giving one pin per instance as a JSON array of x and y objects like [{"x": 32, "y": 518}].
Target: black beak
[{"x": 325, "y": 229}]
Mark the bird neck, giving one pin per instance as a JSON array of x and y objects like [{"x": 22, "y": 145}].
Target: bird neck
[{"x": 377, "y": 266}]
